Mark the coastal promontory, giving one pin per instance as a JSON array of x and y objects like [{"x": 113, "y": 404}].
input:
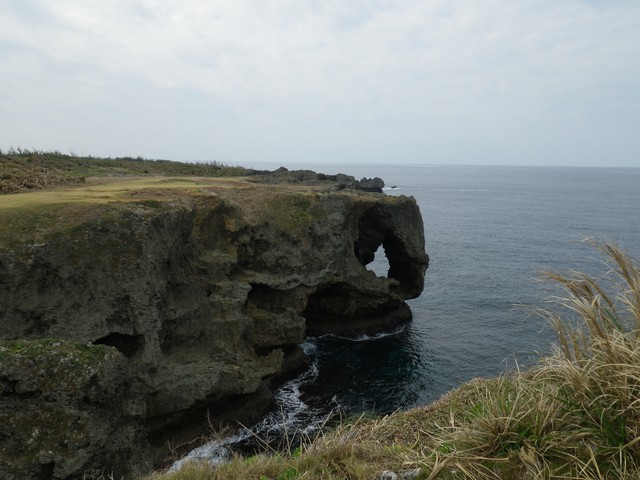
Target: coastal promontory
[{"x": 135, "y": 311}]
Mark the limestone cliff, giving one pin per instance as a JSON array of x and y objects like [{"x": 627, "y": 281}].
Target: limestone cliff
[{"x": 185, "y": 295}]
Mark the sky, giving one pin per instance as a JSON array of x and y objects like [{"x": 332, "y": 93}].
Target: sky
[{"x": 497, "y": 82}]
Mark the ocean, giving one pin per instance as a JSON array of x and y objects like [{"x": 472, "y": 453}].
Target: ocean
[{"x": 489, "y": 232}]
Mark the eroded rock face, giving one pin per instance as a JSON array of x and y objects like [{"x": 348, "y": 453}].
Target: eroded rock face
[
  {"x": 67, "y": 410},
  {"x": 196, "y": 299}
]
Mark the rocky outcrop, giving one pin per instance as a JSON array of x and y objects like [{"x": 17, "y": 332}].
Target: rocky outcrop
[
  {"x": 309, "y": 177},
  {"x": 68, "y": 411},
  {"x": 171, "y": 312}
]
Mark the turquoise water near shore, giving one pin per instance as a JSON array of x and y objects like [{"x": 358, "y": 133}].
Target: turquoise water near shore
[{"x": 489, "y": 232}]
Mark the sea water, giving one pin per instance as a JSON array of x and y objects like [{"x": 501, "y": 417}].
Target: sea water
[{"x": 489, "y": 232}]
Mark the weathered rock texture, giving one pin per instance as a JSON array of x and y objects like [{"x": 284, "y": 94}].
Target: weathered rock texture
[
  {"x": 68, "y": 410},
  {"x": 178, "y": 307}
]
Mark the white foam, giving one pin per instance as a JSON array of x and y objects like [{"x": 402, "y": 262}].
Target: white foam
[
  {"x": 215, "y": 452},
  {"x": 291, "y": 417},
  {"x": 291, "y": 413},
  {"x": 367, "y": 338}
]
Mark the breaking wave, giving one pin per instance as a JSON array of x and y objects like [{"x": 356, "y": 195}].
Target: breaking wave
[{"x": 290, "y": 422}]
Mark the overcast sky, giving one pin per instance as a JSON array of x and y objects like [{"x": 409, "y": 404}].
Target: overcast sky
[{"x": 551, "y": 82}]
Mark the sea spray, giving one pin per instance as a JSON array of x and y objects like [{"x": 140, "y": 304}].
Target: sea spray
[{"x": 290, "y": 422}]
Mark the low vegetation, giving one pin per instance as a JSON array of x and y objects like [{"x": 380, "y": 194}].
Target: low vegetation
[
  {"x": 575, "y": 415},
  {"x": 24, "y": 170}
]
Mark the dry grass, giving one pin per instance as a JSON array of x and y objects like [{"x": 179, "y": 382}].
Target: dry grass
[
  {"x": 103, "y": 190},
  {"x": 33, "y": 217},
  {"x": 26, "y": 170},
  {"x": 574, "y": 416}
]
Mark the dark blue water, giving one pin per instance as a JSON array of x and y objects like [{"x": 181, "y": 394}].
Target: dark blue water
[{"x": 489, "y": 232}]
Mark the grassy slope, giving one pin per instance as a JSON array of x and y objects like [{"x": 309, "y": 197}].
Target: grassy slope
[
  {"x": 575, "y": 415},
  {"x": 33, "y": 170},
  {"x": 46, "y": 193},
  {"x": 49, "y": 193},
  {"x": 109, "y": 190},
  {"x": 33, "y": 216}
]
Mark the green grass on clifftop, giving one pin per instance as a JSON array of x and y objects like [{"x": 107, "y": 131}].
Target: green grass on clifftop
[
  {"x": 576, "y": 415},
  {"x": 33, "y": 216},
  {"x": 25, "y": 170}
]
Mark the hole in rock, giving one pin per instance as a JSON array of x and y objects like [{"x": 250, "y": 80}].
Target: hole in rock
[
  {"x": 267, "y": 298},
  {"x": 380, "y": 263},
  {"x": 330, "y": 300},
  {"x": 372, "y": 246},
  {"x": 376, "y": 228},
  {"x": 128, "y": 345}
]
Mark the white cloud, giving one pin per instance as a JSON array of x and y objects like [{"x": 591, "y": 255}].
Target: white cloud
[{"x": 460, "y": 80}]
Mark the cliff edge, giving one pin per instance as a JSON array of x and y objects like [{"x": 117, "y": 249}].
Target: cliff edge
[{"x": 133, "y": 311}]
